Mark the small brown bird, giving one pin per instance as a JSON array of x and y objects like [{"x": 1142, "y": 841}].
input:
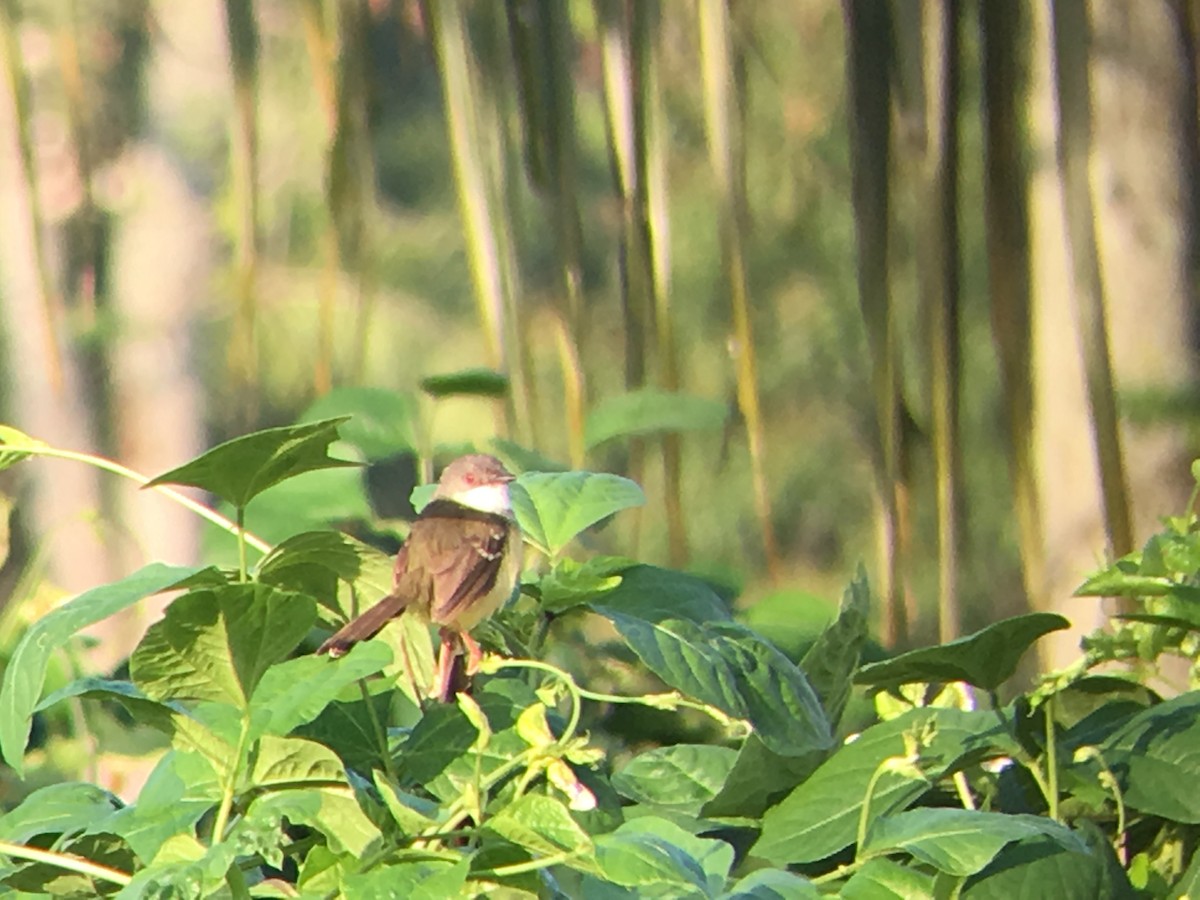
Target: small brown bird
[{"x": 459, "y": 565}]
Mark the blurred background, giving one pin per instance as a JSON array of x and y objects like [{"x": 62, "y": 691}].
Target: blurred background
[{"x": 906, "y": 283}]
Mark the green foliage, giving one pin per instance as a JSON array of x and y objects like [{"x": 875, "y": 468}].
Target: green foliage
[{"x": 290, "y": 774}]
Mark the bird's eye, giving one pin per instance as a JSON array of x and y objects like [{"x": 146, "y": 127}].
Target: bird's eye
[{"x": 469, "y": 478}]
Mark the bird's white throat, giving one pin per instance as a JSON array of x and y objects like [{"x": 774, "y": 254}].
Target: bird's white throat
[{"x": 489, "y": 498}]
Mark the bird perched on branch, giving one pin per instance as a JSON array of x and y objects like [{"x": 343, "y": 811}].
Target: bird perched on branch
[{"x": 459, "y": 565}]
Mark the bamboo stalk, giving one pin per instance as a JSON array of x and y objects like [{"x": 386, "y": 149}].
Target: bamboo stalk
[
  {"x": 868, "y": 77},
  {"x": 243, "y": 347},
  {"x": 1071, "y": 38},
  {"x": 717, "y": 59},
  {"x": 1006, "y": 204}
]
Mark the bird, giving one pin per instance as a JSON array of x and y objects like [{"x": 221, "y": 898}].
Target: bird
[{"x": 459, "y": 565}]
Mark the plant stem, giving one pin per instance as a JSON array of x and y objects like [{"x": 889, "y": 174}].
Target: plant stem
[
  {"x": 575, "y": 690},
  {"x": 117, "y": 469},
  {"x": 1051, "y": 758},
  {"x": 241, "y": 542},
  {"x": 227, "y": 790},
  {"x": 381, "y": 733},
  {"x": 65, "y": 861},
  {"x": 529, "y": 865}
]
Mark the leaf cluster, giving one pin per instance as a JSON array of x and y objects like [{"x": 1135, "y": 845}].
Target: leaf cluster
[{"x": 289, "y": 774}]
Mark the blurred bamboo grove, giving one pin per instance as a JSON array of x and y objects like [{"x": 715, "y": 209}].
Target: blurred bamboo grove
[{"x": 909, "y": 281}]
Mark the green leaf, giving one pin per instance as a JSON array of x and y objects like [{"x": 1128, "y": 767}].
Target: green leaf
[
  {"x": 332, "y": 811},
  {"x": 1041, "y": 866},
  {"x": 569, "y": 583},
  {"x": 831, "y": 662},
  {"x": 1154, "y": 753},
  {"x": 16, "y": 445},
  {"x": 26, "y": 670},
  {"x": 959, "y": 841},
  {"x": 466, "y": 383},
  {"x": 423, "y": 879},
  {"x": 296, "y": 691},
  {"x": 985, "y": 659},
  {"x": 544, "y": 827},
  {"x": 381, "y": 423},
  {"x": 820, "y": 817},
  {"x": 648, "y": 411},
  {"x": 316, "y": 560},
  {"x": 886, "y": 879},
  {"x": 180, "y": 789},
  {"x": 308, "y": 502},
  {"x": 244, "y": 467},
  {"x": 552, "y": 508},
  {"x": 759, "y": 777},
  {"x": 216, "y": 644},
  {"x": 655, "y": 594},
  {"x": 65, "y": 808},
  {"x": 291, "y": 762},
  {"x": 658, "y": 859},
  {"x": 773, "y": 884},
  {"x": 348, "y": 728},
  {"x": 733, "y": 669},
  {"x": 684, "y": 776}
]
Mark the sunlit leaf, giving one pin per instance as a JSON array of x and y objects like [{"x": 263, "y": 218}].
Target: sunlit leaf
[
  {"x": 26, "y": 670},
  {"x": 985, "y": 659},
  {"x": 244, "y": 467},
  {"x": 552, "y": 508}
]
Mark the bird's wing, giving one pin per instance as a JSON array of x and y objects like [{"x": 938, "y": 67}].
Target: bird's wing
[{"x": 462, "y": 564}]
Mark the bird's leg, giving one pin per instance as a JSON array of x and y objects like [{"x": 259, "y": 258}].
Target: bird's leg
[
  {"x": 445, "y": 665},
  {"x": 474, "y": 654}
]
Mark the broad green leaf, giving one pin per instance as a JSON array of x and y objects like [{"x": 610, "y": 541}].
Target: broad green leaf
[
  {"x": 544, "y": 827},
  {"x": 180, "y": 789},
  {"x": 886, "y": 879},
  {"x": 292, "y": 762},
  {"x": 423, "y": 879},
  {"x": 412, "y": 813},
  {"x": 650, "y": 865},
  {"x": 466, "y": 383},
  {"x": 332, "y": 811},
  {"x": 552, "y": 508},
  {"x": 16, "y": 445},
  {"x": 959, "y": 841},
  {"x": 294, "y": 692},
  {"x": 759, "y": 777},
  {"x": 654, "y": 594},
  {"x": 773, "y": 884},
  {"x": 733, "y": 669},
  {"x": 66, "y": 808},
  {"x": 683, "y": 776},
  {"x": 146, "y": 711},
  {"x": 382, "y": 423},
  {"x": 244, "y": 467},
  {"x": 348, "y": 728},
  {"x": 820, "y": 817},
  {"x": 649, "y": 411},
  {"x": 831, "y": 662},
  {"x": 1156, "y": 752},
  {"x": 569, "y": 583},
  {"x": 1041, "y": 866},
  {"x": 216, "y": 644},
  {"x": 985, "y": 659},
  {"x": 714, "y": 857},
  {"x": 26, "y": 670},
  {"x": 312, "y": 563}
]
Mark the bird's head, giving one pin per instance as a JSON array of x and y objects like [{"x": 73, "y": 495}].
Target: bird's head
[{"x": 479, "y": 481}]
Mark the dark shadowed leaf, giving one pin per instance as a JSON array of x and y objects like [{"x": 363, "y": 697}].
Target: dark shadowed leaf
[
  {"x": 467, "y": 383},
  {"x": 759, "y": 778},
  {"x": 831, "y": 662},
  {"x": 26, "y": 670},
  {"x": 1155, "y": 752},
  {"x": 985, "y": 659},
  {"x": 238, "y": 470},
  {"x": 552, "y": 508},
  {"x": 1041, "y": 866},
  {"x": 381, "y": 423},
  {"x": 654, "y": 594},
  {"x": 649, "y": 411}
]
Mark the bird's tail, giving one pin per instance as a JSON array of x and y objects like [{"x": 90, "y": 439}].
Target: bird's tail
[{"x": 364, "y": 626}]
